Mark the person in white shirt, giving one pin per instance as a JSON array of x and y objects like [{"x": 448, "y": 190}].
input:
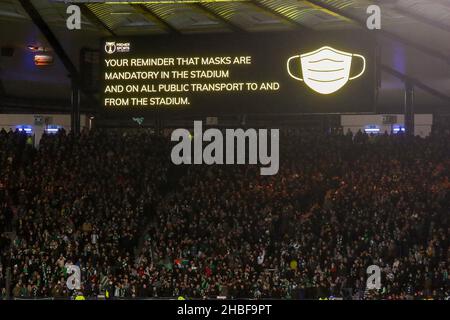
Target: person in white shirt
[{"x": 260, "y": 258}]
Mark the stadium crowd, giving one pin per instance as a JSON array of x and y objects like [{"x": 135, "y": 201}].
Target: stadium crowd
[{"x": 137, "y": 226}]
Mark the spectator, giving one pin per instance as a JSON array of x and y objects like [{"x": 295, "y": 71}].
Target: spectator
[{"x": 111, "y": 203}]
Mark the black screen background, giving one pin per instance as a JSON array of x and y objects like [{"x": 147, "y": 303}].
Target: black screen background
[{"x": 269, "y": 52}]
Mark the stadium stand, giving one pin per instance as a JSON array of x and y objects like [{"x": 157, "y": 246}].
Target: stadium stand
[{"x": 111, "y": 203}]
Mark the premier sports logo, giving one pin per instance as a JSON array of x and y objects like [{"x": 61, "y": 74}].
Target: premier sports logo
[
  {"x": 110, "y": 47},
  {"x": 113, "y": 47}
]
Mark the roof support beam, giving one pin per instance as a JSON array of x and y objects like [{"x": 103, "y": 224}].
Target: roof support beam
[
  {"x": 417, "y": 83},
  {"x": 148, "y": 13},
  {"x": 388, "y": 34},
  {"x": 54, "y": 42},
  {"x": 234, "y": 27},
  {"x": 2, "y": 89},
  {"x": 50, "y": 36},
  {"x": 2, "y": 86},
  {"x": 279, "y": 15},
  {"x": 94, "y": 19},
  {"x": 418, "y": 17}
]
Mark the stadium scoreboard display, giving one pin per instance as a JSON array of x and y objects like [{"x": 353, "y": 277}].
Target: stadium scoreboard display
[{"x": 230, "y": 73}]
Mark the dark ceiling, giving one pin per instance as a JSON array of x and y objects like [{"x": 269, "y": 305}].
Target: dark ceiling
[{"x": 414, "y": 38}]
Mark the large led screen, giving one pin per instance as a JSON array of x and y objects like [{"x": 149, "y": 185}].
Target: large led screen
[{"x": 230, "y": 73}]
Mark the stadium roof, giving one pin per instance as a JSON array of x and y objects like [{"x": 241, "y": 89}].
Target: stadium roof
[{"x": 414, "y": 38}]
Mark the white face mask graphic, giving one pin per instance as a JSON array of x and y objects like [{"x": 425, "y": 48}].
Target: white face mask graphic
[{"x": 326, "y": 70}]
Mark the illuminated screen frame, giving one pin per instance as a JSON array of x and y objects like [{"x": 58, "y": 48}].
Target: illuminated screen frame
[{"x": 272, "y": 51}]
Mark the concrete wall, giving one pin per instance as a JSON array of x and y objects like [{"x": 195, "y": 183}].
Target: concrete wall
[
  {"x": 11, "y": 121},
  {"x": 422, "y": 123}
]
